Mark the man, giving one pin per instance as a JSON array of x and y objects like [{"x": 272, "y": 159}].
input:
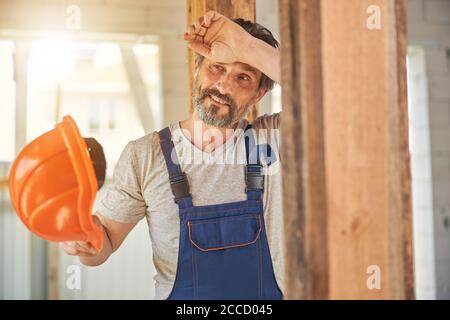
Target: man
[{"x": 216, "y": 227}]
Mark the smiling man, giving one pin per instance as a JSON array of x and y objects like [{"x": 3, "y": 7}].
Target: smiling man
[{"x": 216, "y": 227}]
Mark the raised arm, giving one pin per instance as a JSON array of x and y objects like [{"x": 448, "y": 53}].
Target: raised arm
[{"x": 220, "y": 39}]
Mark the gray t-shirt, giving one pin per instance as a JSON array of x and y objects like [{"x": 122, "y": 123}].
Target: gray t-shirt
[{"x": 141, "y": 188}]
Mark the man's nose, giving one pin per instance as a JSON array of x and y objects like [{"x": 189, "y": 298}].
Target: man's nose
[{"x": 225, "y": 84}]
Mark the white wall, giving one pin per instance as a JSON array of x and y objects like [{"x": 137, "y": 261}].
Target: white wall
[
  {"x": 419, "y": 128},
  {"x": 429, "y": 27}
]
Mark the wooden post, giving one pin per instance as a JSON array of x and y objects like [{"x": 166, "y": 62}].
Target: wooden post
[
  {"x": 347, "y": 193},
  {"x": 303, "y": 158},
  {"x": 245, "y": 9}
]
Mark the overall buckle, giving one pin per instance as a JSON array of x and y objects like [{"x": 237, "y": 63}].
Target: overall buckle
[
  {"x": 180, "y": 186},
  {"x": 254, "y": 179}
]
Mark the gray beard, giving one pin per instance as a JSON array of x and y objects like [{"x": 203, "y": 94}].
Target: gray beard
[{"x": 210, "y": 115}]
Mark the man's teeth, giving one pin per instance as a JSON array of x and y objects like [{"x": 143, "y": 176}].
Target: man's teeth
[{"x": 218, "y": 100}]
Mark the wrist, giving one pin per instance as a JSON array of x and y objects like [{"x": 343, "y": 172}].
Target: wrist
[
  {"x": 263, "y": 57},
  {"x": 248, "y": 46},
  {"x": 101, "y": 256}
]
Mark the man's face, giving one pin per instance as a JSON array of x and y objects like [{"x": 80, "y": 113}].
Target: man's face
[{"x": 224, "y": 92}]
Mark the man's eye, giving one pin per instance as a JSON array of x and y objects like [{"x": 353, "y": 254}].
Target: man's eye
[
  {"x": 244, "y": 77},
  {"x": 216, "y": 67}
]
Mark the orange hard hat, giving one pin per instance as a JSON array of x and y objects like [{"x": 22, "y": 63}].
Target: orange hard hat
[{"x": 53, "y": 183}]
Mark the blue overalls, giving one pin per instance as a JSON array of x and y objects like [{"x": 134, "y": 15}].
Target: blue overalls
[{"x": 223, "y": 249}]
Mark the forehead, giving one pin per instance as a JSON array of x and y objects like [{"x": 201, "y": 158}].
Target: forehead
[{"x": 235, "y": 66}]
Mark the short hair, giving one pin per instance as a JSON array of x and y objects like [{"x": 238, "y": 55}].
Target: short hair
[{"x": 257, "y": 31}]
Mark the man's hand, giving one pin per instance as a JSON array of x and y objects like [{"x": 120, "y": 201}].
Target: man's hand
[
  {"x": 114, "y": 233},
  {"x": 218, "y": 38},
  {"x": 82, "y": 248}
]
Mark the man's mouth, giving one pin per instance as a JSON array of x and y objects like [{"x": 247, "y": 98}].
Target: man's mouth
[{"x": 218, "y": 100}]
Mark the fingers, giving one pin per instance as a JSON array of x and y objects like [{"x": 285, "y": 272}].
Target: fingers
[
  {"x": 87, "y": 247},
  {"x": 211, "y": 16},
  {"x": 78, "y": 248},
  {"x": 195, "y": 33},
  {"x": 200, "y": 48},
  {"x": 192, "y": 37},
  {"x": 82, "y": 248},
  {"x": 200, "y": 27}
]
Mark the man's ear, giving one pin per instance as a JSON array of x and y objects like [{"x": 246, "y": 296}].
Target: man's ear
[
  {"x": 261, "y": 93},
  {"x": 197, "y": 63},
  {"x": 196, "y": 69}
]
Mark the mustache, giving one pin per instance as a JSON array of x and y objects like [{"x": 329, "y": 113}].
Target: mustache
[{"x": 214, "y": 92}]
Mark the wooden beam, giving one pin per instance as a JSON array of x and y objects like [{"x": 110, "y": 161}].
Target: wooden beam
[
  {"x": 344, "y": 94},
  {"x": 303, "y": 158},
  {"x": 245, "y": 9},
  {"x": 401, "y": 190}
]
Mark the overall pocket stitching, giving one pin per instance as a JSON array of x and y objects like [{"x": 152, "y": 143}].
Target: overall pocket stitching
[
  {"x": 230, "y": 244},
  {"x": 256, "y": 208},
  {"x": 213, "y": 220},
  {"x": 260, "y": 276},
  {"x": 194, "y": 275}
]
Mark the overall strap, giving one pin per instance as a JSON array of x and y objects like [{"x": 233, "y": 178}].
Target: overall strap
[
  {"x": 178, "y": 180},
  {"x": 254, "y": 179}
]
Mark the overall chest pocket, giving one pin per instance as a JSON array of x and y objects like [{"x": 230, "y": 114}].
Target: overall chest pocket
[{"x": 225, "y": 233}]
